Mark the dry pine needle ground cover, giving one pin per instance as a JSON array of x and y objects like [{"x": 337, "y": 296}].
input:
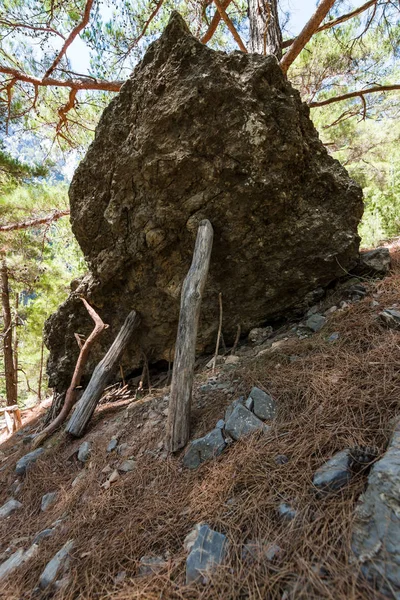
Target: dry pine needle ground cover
[{"x": 330, "y": 396}]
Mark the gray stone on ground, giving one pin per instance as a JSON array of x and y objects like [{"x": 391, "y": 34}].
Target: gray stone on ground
[
  {"x": 258, "y": 335},
  {"x": 242, "y": 422},
  {"x": 26, "y": 461},
  {"x": 9, "y": 507},
  {"x": 232, "y": 407},
  {"x": 208, "y": 551},
  {"x": 390, "y": 317},
  {"x": 161, "y": 161},
  {"x": 334, "y": 474},
  {"x": 376, "y": 529},
  {"x": 84, "y": 452},
  {"x": 42, "y": 535},
  {"x": 48, "y": 500},
  {"x": 374, "y": 262},
  {"x": 112, "y": 444},
  {"x": 220, "y": 424},
  {"x": 16, "y": 560},
  {"x": 286, "y": 511},
  {"x": 316, "y": 322},
  {"x": 151, "y": 564},
  {"x": 264, "y": 406},
  {"x": 56, "y": 566},
  {"x": 205, "y": 448},
  {"x": 127, "y": 466}
]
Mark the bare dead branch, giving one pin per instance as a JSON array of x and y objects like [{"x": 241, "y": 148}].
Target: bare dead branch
[
  {"x": 63, "y": 110},
  {"x": 57, "y": 214},
  {"x": 76, "y": 30},
  {"x": 306, "y": 33},
  {"x": 357, "y": 94},
  {"x": 337, "y": 21},
  {"x": 230, "y": 25},
  {"x": 70, "y": 397},
  {"x": 214, "y": 23}
]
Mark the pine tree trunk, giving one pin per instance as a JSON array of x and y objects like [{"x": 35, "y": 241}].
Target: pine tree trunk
[
  {"x": 15, "y": 351},
  {"x": 9, "y": 367},
  {"x": 265, "y": 31}
]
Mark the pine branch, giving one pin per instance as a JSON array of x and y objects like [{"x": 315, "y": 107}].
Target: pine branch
[
  {"x": 57, "y": 214},
  {"x": 357, "y": 94}
]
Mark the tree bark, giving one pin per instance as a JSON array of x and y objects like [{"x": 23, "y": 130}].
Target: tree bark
[
  {"x": 9, "y": 367},
  {"x": 101, "y": 377},
  {"x": 265, "y": 31},
  {"x": 15, "y": 335},
  {"x": 178, "y": 425}
]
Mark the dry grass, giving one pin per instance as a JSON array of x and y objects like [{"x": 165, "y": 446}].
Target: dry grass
[{"x": 333, "y": 395}]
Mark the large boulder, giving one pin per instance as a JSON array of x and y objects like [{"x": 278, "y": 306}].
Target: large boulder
[{"x": 195, "y": 134}]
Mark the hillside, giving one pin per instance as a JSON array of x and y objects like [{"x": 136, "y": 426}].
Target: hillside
[{"x": 335, "y": 389}]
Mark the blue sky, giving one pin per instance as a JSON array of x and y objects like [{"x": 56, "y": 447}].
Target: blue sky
[{"x": 300, "y": 11}]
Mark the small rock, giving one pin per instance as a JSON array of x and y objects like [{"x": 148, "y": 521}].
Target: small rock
[
  {"x": 287, "y": 512},
  {"x": 208, "y": 551},
  {"x": 242, "y": 422},
  {"x": 16, "y": 560},
  {"x": 191, "y": 537},
  {"x": 78, "y": 478},
  {"x": 220, "y": 424},
  {"x": 232, "y": 407},
  {"x": 46, "y": 533},
  {"x": 151, "y": 564},
  {"x": 9, "y": 507},
  {"x": 84, "y": 452},
  {"x": 205, "y": 448},
  {"x": 107, "y": 469},
  {"x": 343, "y": 305},
  {"x": 316, "y": 322},
  {"x": 123, "y": 449},
  {"x": 112, "y": 444},
  {"x": 313, "y": 310},
  {"x": 374, "y": 304},
  {"x": 374, "y": 262},
  {"x": 127, "y": 466},
  {"x": 16, "y": 487},
  {"x": 258, "y": 335},
  {"x": 120, "y": 577},
  {"x": 232, "y": 359},
  {"x": 26, "y": 461},
  {"x": 48, "y": 500},
  {"x": 264, "y": 406},
  {"x": 56, "y": 566},
  {"x": 330, "y": 311},
  {"x": 390, "y": 317},
  {"x": 334, "y": 336},
  {"x": 334, "y": 474},
  {"x": 165, "y": 412},
  {"x": 281, "y": 459}
]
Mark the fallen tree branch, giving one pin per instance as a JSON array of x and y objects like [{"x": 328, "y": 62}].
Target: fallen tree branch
[
  {"x": 357, "y": 94},
  {"x": 101, "y": 377},
  {"x": 57, "y": 214},
  {"x": 178, "y": 424},
  {"x": 306, "y": 34},
  {"x": 70, "y": 397},
  {"x": 337, "y": 21},
  {"x": 230, "y": 25},
  {"x": 76, "y": 30}
]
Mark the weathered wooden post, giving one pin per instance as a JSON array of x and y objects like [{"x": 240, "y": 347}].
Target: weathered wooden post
[
  {"x": 178, "y": 425},
  {"x": 101, "y": 376}
]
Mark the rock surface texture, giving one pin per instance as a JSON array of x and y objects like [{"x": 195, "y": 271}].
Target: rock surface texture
[
  {"x": 193, "y": 134},
  {"x": 376, "y": 533}
]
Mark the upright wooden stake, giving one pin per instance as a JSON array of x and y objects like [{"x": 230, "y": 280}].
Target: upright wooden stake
[
  {"x": 182, "y": 376},
  {"x": 101, "y": 377}
]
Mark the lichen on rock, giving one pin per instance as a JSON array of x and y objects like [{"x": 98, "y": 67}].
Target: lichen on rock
[{"x": 193, "y": 134}]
